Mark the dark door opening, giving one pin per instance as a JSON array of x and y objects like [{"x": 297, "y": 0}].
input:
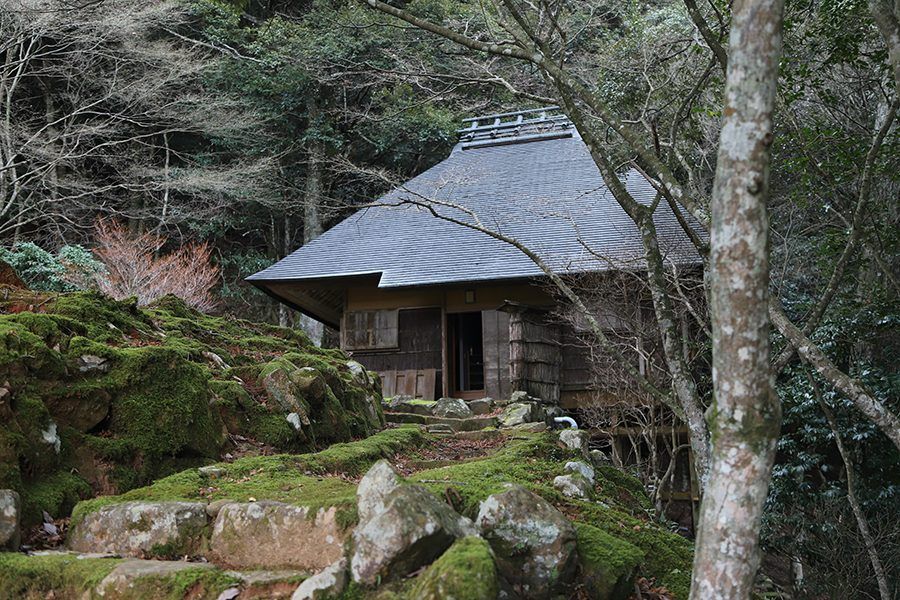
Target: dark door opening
[{"x": 466, "y": 353}]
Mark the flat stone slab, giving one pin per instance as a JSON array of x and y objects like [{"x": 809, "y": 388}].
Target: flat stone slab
[
  {"x": 274, "y": 535},
  {"x": 471, "y": 424},
  {"x": 127, "y": 575},
  {"x": 142, "y": 529}
]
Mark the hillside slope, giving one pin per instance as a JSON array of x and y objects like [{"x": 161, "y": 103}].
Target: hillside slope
[{"x": 99, "y": 396}]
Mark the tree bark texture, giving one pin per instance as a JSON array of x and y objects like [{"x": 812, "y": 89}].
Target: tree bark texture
[{"x": 746, "y": 414}]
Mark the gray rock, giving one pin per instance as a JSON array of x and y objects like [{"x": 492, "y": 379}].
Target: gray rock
[
  {"x": 371, "y": 493},
  {"x": 482, "y": 406},
  {"x": 397, "y": 400},
  {"x": 574, "y": 485},
  {"x": 10, "y": 514},
  {"x": 534, "y": 544},
  {"x": 271, "y": 535},
  {"x": 327, "y": 583},
  {"x": 552, "y": 411},
  {"x": 410, "y": 530},
  {"x": 582, "y": 468},
  {"x": 121, "y": 581},
  {"x": 521, "y": 412},
  {"x": 359, "y": 373},
  {"x": 212, "y": 472},
  {"x": 575, "y": 439},
  {"x": 452, "y": 407},
  {"x": 599, "y": 458},
  {"x": 90, "y": 362},
  {"x": 142, "y": 529},
  {"x": 520, "y": 396}
]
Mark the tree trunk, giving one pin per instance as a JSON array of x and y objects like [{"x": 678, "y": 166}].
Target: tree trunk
[
  {"x": 312, "y": 207},
  {"x": 747, "y": 414},
  {"x": 861, "y": 521}
]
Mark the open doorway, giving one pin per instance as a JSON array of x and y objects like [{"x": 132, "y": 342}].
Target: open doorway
[{"x": 466, "y": 355}]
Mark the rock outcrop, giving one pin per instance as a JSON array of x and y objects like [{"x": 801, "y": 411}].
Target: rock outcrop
[
  {"x": 576, "y": 439},
  {"x": 101, "y": 396},
  {"x": 534, "y": 543},
  {"x": 519, "y": 413}
]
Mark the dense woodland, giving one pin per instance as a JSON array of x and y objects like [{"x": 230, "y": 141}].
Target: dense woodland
[{"x": 231, "y": 133}]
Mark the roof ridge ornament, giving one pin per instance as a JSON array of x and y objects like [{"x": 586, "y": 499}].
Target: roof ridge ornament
[{"x": 521, "y": 126}]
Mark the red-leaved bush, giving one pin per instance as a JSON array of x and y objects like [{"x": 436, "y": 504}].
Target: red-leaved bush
[{"x": 135, "y": 269}]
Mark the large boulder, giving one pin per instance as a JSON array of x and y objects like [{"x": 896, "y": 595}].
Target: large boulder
[
  {"x": 326, "y": 584},
  {"x": 142, "y": 529},
  {"x": 464, "y": 572},
  {"x": 401, "y": 528},
  {"x": 520, "y": 413},
  {"x": 272, "y": 535},
  {"x": 534, "y": 544},
  {"x": 452, "y": 407},
  {"x": 10, "y": 513}
]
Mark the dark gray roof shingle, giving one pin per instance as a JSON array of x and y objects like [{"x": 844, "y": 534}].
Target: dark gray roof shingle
[{"x": 547, "y": 194}]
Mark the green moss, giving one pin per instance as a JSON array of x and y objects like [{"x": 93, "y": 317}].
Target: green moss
[
  {"x": 56, "y": 494},
  {"x": 608, "y": 564},
  {"x": 58, "y": 575},
  {"x": 668, "y": 556},
  {"x": 197, "y": 583},
  {"x": 464, "y": 572},
  {"x": 296, "y": 479},
  {"x": 533, "y": 460},
  {"x": 530, "y": 460}
]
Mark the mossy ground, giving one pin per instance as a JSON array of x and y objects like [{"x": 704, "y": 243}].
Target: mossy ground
[
  {"x": 158, "y": 403},
  {"x": 66, "y": 576},
  {"x": 53, "y": 576},
  {"x": 318, "y": 479},
  {"x": 619, "y": 510}
]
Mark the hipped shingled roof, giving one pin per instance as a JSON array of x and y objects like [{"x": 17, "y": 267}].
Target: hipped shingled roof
[{"x": 527, "y": 175}]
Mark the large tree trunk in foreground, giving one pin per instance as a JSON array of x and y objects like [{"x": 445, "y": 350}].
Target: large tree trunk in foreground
[{"x": 747, "y": 413}]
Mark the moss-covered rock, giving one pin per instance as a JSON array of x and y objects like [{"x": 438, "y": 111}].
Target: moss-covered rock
[
  {"x": 608, "y": 564},
  {"x": 100, "y": 396},
  {"x": 619, "y": 508},
  {"x": 464, "y": 572}
]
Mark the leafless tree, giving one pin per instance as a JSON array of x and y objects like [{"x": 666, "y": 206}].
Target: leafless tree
[{"x": 98, "y": 102}]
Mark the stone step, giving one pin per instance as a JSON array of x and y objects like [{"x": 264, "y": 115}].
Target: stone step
[
  {"x": 143, "y": 578},
  {"x": 470, "y": 424},
  {"x": 241, "y": 535}
]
